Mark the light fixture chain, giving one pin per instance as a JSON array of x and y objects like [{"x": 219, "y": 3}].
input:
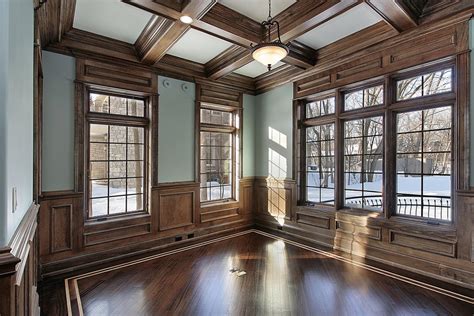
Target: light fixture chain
[{"x": 269, "y": 10}]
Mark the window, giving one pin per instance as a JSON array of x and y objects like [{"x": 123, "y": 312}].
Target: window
[
  {"x": 424, "y": 163},
  {"x": 363, "y": 163},
  {"x": 320, "y": 107},
  {"x": 116, "y": 155},
  {"x": 218, "y": 158},
  {"x": 424, "y": 85},
  {"x": 320, "y": 164},
  {"x": 349, "y": 158},
  {"x": 363, "y": 98}
]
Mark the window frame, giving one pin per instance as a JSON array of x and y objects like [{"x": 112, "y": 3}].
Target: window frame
[
  {"x": 144, "y": 122},
  {"x": 236, "y": 159},
  {"x": 388, "y": 110}
]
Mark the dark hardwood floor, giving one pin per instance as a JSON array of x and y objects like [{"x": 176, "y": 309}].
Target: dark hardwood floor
[{"x": 281, "y": 279}]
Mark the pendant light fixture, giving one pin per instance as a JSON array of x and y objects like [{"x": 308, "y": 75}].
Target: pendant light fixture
[{"x": 267, "y": 52}]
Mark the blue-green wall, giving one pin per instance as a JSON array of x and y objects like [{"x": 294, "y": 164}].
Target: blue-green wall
[
  {"x": 273, "y": 133},
  {"x": 58, "y": 122},
  {"x": 248, "y": 151},
  {"x": 176, "y": 130},
  {"x": 16, "y": 108}
]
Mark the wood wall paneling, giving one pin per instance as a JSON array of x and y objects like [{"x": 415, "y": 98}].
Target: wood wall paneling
[{"x": 19, "y": 269}]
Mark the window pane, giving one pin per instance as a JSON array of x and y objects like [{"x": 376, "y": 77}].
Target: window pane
[
  {"x": 134, "y": 185},
  {"x": 117, "y": 152},
  {"x": 424, "y": 181},
  {"x": 437, "y": 82},
  {"x": 135, "y": 203},
  {"x": 99, "y": 188},
  {"x": 118, "y": 169},
  {"x": 118, "y": 134},
  {"x": 320, "y": 164},
  {"x": 99, "y": 133},
  {"x": 117, "y": 205},
  {"x": 118, "y": 105},
  {"x": 99, "y": 170},
  {"x": 99, "y": 207},
  {"x": 320, "y": 107},
  {"x": 364, "y": 98},
  {"x": 363, "y": 162},
  {"x": 135, "y": 169},
  {"x": 136, "y": 107},
  {"x": 427, "y": 84},
  {"x": 98, "y": 103},
  {"x": 117, "y": 186},
  {"x": 98, "y": 151},
  {"x": 136, "y": 135}
]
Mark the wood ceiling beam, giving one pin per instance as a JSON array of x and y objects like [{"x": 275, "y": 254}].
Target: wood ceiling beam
[
  {"x": 305, "y": 15},
  {"x": 55, "y": 18},
  {"x": 396, "y": 15},
  {"x": 229, "y": 60},
  {"x": 300, "y": 55},
  {"x": 165, "y": 33}
]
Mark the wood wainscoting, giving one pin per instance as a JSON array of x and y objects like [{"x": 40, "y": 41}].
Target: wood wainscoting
[
  {"x": 435, "y": 252},
  {"x": 69, "y": 241},
  {"x": 19, "y": 269}
]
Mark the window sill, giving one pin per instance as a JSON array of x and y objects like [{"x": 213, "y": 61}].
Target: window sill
[
  {"x": 218, "y": 203},
  {"x": 117, "y": 218}
]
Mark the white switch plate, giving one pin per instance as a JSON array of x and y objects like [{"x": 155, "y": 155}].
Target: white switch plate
[{"x": 14, "y": 199}]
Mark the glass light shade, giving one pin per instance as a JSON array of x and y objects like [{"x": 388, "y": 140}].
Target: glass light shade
[{"x": 269, "y": 54}]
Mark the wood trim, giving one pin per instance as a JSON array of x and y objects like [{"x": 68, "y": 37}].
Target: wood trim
[
  {"x": 394, "y": 14},
  {"x": 18, "y": 269}
]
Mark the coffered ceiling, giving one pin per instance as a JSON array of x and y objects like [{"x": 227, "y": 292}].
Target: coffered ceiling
[
  {"x": 216, "y": 45},
  {"x": 347, "y": 23},
  {"x": 110, "y": 18},
  {"x": 198, "y": 46},
  {"x": 257, "y": 10}
]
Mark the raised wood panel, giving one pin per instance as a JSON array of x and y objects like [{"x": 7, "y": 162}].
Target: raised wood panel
[
  {"x": 374, "y": 233},
  {"x": 61, "y": 222},
  {"x": 108, "y": 235},
  {"x": 276, "y": 197},
  {"x": 419, "y": 242},
  {"x": 221, "y": 212},
  {"x": 246, "y": 195},
  {"x": 60, "y": 219},
  {"x": 176, "y": 209},
  {"x": 107, "y": 74},
  {"x": 313, "y": 220},
  {"x": 176, "y": 205}
]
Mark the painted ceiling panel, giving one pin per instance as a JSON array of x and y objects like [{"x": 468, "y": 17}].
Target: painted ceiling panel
[
  {"x": 350, "y": 22},
  {"x": 257, "y": 9},
  {"x": 198, "y": 46},
  {"x": 111, "y": 18},
  {"x": 255, "y": 69}
]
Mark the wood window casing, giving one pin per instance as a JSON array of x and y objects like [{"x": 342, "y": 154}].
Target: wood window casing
[
  {"x": 127, "y": 121},
  {"x": 388, "y": 110},
  {"x": 229, "y": 101}
]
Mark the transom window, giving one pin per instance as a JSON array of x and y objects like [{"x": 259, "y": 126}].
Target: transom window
[
  {"x": 342, "y": 156},
  {"x": 116, "y": 155},
  {"x": 217, "y": 155},
  {"x": 424, "y": 85},
  {"x": 363, "y": 98}
]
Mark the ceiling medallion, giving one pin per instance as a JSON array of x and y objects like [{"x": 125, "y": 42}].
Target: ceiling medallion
[{"x": 267, "y": 52}]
